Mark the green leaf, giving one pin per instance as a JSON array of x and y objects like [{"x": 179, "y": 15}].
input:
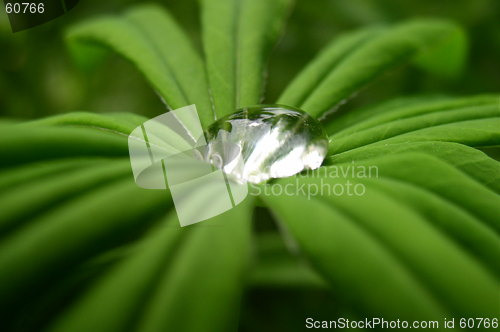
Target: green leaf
[
  {"x": 121, "y": 123},
  {"x": 277, "y": 267},
  {"x": 469, "y": 160},
  {"x": 55, "y": 190},
  {"x": 123, "y": 288},
  {"x": 22, "y": 144},
  {"x": 365, "y": 58},
  {"x": 475, "y": 133},
  {"x": 447, "y": 272},
  {"x": 451, "y": 219},
  {"x": 444, "y": 180},
  {"x": 401, "y": 108},
  {"x": 185, "y": 63},
  {"x": 456, "y": 279},
  {"x": 404, "y": 127},
  {"x": 212, "y": 266},
  {"x": 170, "y": 262},
  {"x": 66, "y": 235},
  {"x": 11, "y": 178},
  {"x": 345, "y": 255},
  {"x": 150, "y": 38},
  {"x": 298, "y": 91},
  {"x": 392, "y": 125},
  {"x": 343, "y": 122},
  {"x": 237, "y": 38}
]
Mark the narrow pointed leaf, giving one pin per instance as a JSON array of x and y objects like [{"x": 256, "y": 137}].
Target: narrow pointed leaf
[
  {"x": 471, "y": 161},
  {"x": 446, "y": 181},
  {"x": 21, "y": 144},
  {"x": 298, "y": 91},
  {"x": 10, "y": 178},
  {"x": 344, "y": 254},
  {"x": 119, "y": 123},
  {"x": 408, "y": 126},
  {"x": 451, "y": 219},
  {"x": 277, "y": 267},
  {"x": 150, "y": 38},
  {"x": 366, "y": 118},
  {"x": 205, "y": 279},
  {"x": 370, "y": 59},
  {"x": 476, "y": 133},
  {"x": 43, "y": 194},
  {"x": 65, "y": 236},
  {"x": 126, "y": 287},
  {"x": 407, "y": 236},
  {"x": 237, "y": 38}
]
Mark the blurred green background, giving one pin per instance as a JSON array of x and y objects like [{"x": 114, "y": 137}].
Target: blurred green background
[{"x": 39, "y": 76}]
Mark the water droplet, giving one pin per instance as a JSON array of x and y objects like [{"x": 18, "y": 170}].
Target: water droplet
[{"x": 257, "y": 143}]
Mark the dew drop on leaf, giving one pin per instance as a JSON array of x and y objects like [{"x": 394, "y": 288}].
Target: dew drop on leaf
[{"x": 257, "y": 143}]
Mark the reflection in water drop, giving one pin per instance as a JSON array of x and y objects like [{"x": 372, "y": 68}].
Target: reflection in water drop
[{"x": 268, "y": 141}]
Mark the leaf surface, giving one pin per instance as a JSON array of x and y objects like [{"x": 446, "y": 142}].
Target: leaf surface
[
  {"x": 437, "y": 122},
  {"x": 345, "y": 70},
  {"x": 150, "y": 38},
  {"x": 407, "y": 235},
  {"x": 469, "y": 160},
  {"x": 237, "y": 38},
  {"x": 402, "y": 108},
  {"x": 64, "y": 236},
  {"x": 345, "y": 254}
]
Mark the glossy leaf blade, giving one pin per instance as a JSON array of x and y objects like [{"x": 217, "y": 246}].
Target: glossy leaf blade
[
  {"x": 345, "y": 254},
  {"x": 211, "y": 266},
  {"x": 404, "y": 127},
  {"x": 462, "y": 227},
  {"x": 476, "y": 133},
  {"x": 471, "y": 161},
  {"x": 401, "y": 108},
  {"x": 371, "y": 58},
  {"x": 237, "y": 36},
  {"x": 34, "y": 197},
  {"x": 21, "y": 144},
  {"x": 446, "y": 181},
  {"x": 407, "y": 236},
  {"x": 150, "y": 38},
  {"x": 126, "y": 287},
  {"x": 120, "y": 123},
  {"x": 65, "y": 236}
]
